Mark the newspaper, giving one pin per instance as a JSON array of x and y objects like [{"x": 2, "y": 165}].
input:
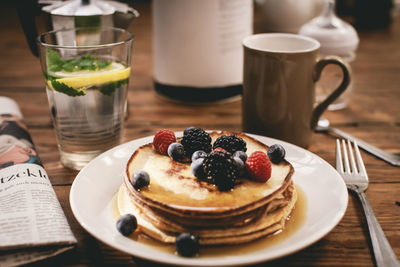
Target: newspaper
[{"x": 32, "y": 223}]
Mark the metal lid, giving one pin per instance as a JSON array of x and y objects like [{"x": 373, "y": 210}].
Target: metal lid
[
  {"x": 85, "y": 7},
  {"x": 335, "y": 35}
]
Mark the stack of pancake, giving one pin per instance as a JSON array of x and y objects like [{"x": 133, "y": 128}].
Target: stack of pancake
[{"x": 176, "y": 201}]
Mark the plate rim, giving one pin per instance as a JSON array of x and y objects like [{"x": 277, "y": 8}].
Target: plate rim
[{"x": 183, "y": 261}]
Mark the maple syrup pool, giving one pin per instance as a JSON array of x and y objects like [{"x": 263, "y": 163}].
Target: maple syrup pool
[{"x": 296, "y": 220}]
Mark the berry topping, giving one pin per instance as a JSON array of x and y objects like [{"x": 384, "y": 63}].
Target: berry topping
[
  {"x": 258, "y": 166},
  {"x": 127, "y": 224},
  {"x": 276, "y": 153},
  {"x": 176, "y": 151},
  {"x": 188, "y": 129},
  {"x": 239, "y": 165},
  {"x": 187, "y": 245},
  {"x": 198, "y": 154},
  {"x": 197, "y": 168},
  {"x": 242, "y": 155},
  {"x": 162, "y": 139},
  {"x": 140, "y": 179},
  {"x": 219, "y": 149},
  {"x": 220, "y": 169},
  {"x": 230, "y": 143},
  {"x": 196, "y": 139}
]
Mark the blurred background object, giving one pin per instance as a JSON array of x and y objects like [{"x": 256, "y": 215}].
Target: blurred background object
[
  {"x": 58, "y": 14},
  {"x": 367, "y": 14},
  {"x": 338, "y": 38},
  {"x": 197, "y": 48},
  {"x": 286, "y": 15}
]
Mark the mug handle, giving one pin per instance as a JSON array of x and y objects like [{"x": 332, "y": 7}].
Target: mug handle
[{"x": 318, "y": 110}]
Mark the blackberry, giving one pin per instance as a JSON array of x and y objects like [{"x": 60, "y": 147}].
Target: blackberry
[
  {"x": 196, "y": 139},
  {"x": 230, "y": 143},
  {"x": 188, "y": 129},
  {"x": 220, "y": 169}
]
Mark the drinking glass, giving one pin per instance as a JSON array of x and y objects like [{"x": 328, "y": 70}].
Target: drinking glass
[{"x": 86, "y": 72}]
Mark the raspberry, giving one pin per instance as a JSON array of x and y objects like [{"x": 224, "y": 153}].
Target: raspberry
[
  {"x": 163, "y": 139},
  {"x": 230, "y": 143},
  {"x": 258, "y": 166}
]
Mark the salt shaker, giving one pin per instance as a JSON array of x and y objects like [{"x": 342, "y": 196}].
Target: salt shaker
[{"x": 336, "y": 37}]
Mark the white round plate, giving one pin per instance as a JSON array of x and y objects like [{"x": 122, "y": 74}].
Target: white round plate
[{"x": 92, "y": 203}]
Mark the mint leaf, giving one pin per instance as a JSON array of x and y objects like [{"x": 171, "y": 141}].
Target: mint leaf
[
  {"x": 109, "y": 88},
  {"x": 88, "y": 56},
  {"x": 65, "y": 89},
  {"x": 86, "y": 62},
  {"x": 68, "y": 67},
  {"x": 54, "y": 68},
  {"x": 101, "y": 64},
  {"x": 54, "y": 61},
  {"x": 53, "y": 58}
]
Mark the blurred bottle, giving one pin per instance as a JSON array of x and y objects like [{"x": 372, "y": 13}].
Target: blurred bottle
[
  {"x": 197, "y": 48},
  {"x": 372, "y": 14},
  {"x": 368, "y": 15},
  {"x": 336, "y": 37},
  {"x": 286, "y": 15}
]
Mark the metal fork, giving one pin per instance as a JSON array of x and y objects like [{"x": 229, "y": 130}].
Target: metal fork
[{"x": 356, "y": 179}]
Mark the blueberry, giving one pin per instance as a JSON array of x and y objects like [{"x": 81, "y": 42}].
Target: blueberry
[
  {"x": 140, "y": 179},
  {"x": 242, "y": 155},
  {"x": 198, "y": 154},
  {"x": 197, "y": 168},
  {"x": 127, "y": 224},
  {"x": 239, "y": 164},
  {"x": 187, "y": 245},
  {"x": 176, "y": 151},
  {"x": 276, "y": 153}
]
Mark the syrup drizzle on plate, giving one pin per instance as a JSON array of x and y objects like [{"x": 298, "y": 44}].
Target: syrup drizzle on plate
[{"x": 295, "y": 221}]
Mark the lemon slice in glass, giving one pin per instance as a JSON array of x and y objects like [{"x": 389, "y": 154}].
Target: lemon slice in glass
[{"x": 84, "y": 79}]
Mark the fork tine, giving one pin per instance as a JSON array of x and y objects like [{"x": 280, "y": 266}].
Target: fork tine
[
  {"x": 339, "y": 163},
  {"x": 345, "y": 158},
  {"x": 352, "y": 161},
  {"x": 360, "y": 161}
]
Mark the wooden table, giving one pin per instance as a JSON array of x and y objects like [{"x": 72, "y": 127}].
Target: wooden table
[{"x": 373, "y": 115}]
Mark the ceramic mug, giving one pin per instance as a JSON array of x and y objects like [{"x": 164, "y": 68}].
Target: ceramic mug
[{"x": 279, "y": 76}]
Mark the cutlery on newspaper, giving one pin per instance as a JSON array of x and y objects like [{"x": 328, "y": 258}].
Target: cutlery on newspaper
[
  {"x": 323, "y": 126},
  {"x": 352, "y": 169}
]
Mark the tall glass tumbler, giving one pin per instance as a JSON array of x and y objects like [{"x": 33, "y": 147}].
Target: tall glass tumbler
[{"x": 86, "y": 72}]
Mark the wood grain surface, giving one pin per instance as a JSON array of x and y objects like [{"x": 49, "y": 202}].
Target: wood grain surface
[{"x": 373, "y": 115}]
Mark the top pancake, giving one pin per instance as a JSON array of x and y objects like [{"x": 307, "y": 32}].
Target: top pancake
[{"x": 173, "y": 188}]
